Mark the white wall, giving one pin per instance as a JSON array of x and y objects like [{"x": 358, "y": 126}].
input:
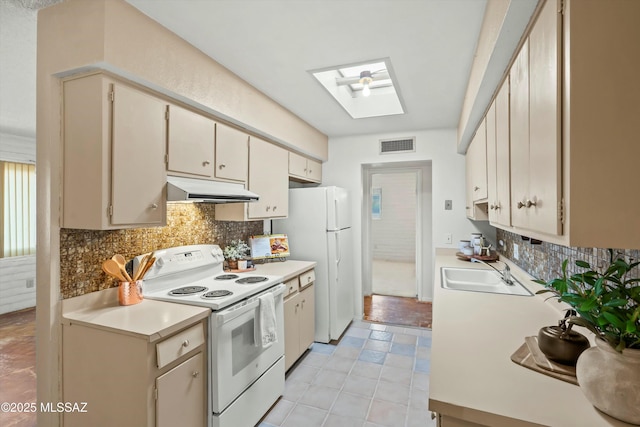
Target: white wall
[
  {"x": 394, "y": 234},
  {"x": 346, "y": 156}
]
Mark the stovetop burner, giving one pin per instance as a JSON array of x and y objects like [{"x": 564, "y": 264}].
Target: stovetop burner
[
  {"x": 187, "y": 290},
  {"x": 226, "y": 277},
  {"x": 251, "y": 279},
  {"x": 217, "y": 294}
]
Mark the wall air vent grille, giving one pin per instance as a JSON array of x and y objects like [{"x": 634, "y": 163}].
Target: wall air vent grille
[{"x": 400, "y": 145}]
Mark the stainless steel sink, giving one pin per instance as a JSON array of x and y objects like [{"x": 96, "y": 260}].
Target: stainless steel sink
[{"x": 480, "y": 280}]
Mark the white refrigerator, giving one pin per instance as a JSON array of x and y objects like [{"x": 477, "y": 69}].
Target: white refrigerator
[{"x": 319, "y": 229}]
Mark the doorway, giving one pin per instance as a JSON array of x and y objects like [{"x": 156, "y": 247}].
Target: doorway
[
  {"x": 393, "y": 233},
  {"x": 396, "y": 237}
]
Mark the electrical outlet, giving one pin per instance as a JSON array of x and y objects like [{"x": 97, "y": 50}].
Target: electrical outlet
[
  {"x": 448, "y": 238},
  {"x": 516, "y": 253}
]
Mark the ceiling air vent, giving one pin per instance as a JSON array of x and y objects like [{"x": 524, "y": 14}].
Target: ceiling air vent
[{"x": 401, "y": 145}]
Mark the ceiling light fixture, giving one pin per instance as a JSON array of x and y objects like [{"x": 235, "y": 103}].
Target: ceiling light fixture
[{"x": 365, "y": 81}]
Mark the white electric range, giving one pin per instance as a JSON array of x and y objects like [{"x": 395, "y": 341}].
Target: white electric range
[{"x": 245, "y": 378}]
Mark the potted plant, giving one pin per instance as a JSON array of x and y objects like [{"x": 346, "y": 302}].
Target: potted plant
[
  {"x": 607, "y": 301},
  {"x": 234, "y": 251}
]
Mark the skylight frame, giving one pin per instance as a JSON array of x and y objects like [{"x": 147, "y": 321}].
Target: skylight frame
[{"x": 385, "y": 98}]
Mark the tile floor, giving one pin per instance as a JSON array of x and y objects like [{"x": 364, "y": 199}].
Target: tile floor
[{"x": 377, "y": 375}]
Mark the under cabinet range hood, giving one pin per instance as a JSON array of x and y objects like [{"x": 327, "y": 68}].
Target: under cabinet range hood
[{"x": 180, "y": 189}]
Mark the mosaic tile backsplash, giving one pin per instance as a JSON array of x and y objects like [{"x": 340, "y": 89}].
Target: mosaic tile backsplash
[
  {"x": 83, "y": 251},
  {"x": 544, "y": 260}
]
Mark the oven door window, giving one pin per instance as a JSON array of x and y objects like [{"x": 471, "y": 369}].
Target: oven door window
[{"x": 243, "y": 348}]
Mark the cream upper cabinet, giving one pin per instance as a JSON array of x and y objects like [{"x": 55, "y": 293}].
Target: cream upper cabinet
[
  {"x": 269, "y": 178},
  {"x": 303, "y": 169},
  {"x": 476, "y": 175},
  {"x": 498, "y": 159},
  {"x": 232, "y": 153},
  {"x": 519, "y": 135},
  {"x": 478, "y": 161},
  {"x": 573, "y": 149},
  {"x": 114, "y": 150},
  {"x": 545, "y": 178},
  {"x": 190, "y": 143},
  {"x": 535, "y": 129}
]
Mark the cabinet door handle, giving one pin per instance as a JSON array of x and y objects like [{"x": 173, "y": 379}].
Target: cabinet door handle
[
  {"x": 530, "y": 203},
  {"x": 492, "y": 206},
  {"x": 185, "y": 343},
  {"x": 521, "y": 205},
  {"x": 206, "y": 163},
  {"x": 222, "y": 166},
  {"x": 274, "y": 208},
  {"x": 154, "y": 206},
  {"x": 310, "y": 171},
  {"x": 268, "y": 208},
  {"x": 195, "y": 374}
]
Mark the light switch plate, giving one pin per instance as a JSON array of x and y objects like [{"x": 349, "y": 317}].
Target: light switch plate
[
  {"x": 448, "y": 238},
  {"x": 448, "y": 205},
  {"x": 516, "y": 253}
]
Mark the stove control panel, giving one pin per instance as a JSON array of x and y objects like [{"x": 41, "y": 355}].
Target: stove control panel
[{"x": 181, "y": 259}]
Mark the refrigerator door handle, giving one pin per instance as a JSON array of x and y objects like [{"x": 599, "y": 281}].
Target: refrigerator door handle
[
  {"x": 335, "y": 218},
  {"x": 339, "y": 255}
]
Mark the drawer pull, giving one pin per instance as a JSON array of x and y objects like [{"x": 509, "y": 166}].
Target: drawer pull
[
  {"x": 195, "y": 374},
  {"x": 206, "y": 163},
  {"x": 185, "y": 343}
]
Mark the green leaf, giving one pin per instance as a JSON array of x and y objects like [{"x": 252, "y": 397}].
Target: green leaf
[
  {"x": 618, "y": 302},
  {"x": 583, "y": 264},
  {"x": 588, "y": 304},
  {"x": 618, "y": 323},
  {"x": 631, "y": 327}
]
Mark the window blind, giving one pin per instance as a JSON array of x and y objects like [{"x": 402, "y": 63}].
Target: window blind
[{"x": 18, "y": 211}]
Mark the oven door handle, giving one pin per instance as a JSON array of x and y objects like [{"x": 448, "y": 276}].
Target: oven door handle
[{"x": 252, "y": 303}]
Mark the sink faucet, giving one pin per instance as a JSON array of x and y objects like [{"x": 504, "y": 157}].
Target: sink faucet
[{"x": 505, "y": 274}]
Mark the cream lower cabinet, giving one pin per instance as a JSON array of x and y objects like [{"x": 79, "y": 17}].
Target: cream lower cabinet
[
  {"x": 114, "y": 141},
  {"x": 303, "y": 169},
  {"x": 130, "y": 381},
  {"x": 299, "y": 317}
]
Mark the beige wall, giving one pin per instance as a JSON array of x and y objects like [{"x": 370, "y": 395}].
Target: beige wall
[{"x": 79, "y": 35}]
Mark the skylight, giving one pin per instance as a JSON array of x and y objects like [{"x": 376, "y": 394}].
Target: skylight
[{"x": 348, "y": 85}]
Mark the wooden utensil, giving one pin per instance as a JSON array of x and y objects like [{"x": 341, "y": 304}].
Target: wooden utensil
[
  {"x": 137, "y": 275},
  {"x": 147, "y": 266},
  {"x": 119, "y": 259},
  {"x": 112, "y": 269}
]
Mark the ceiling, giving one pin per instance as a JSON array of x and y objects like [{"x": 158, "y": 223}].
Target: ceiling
[{"x": 274, "y": 44}]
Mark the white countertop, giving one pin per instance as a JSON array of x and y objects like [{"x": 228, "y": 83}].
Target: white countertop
[
  {"x": 287, "y": 269},
  {"x": 472, "y": 375},
  {"x": 150, "y": 320}
]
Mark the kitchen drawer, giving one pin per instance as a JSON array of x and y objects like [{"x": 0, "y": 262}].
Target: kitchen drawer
[
  {"x": 292, "y": 287},
  {"x": 307, "y": 278},
  {"x": 179, "y": 345}
]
